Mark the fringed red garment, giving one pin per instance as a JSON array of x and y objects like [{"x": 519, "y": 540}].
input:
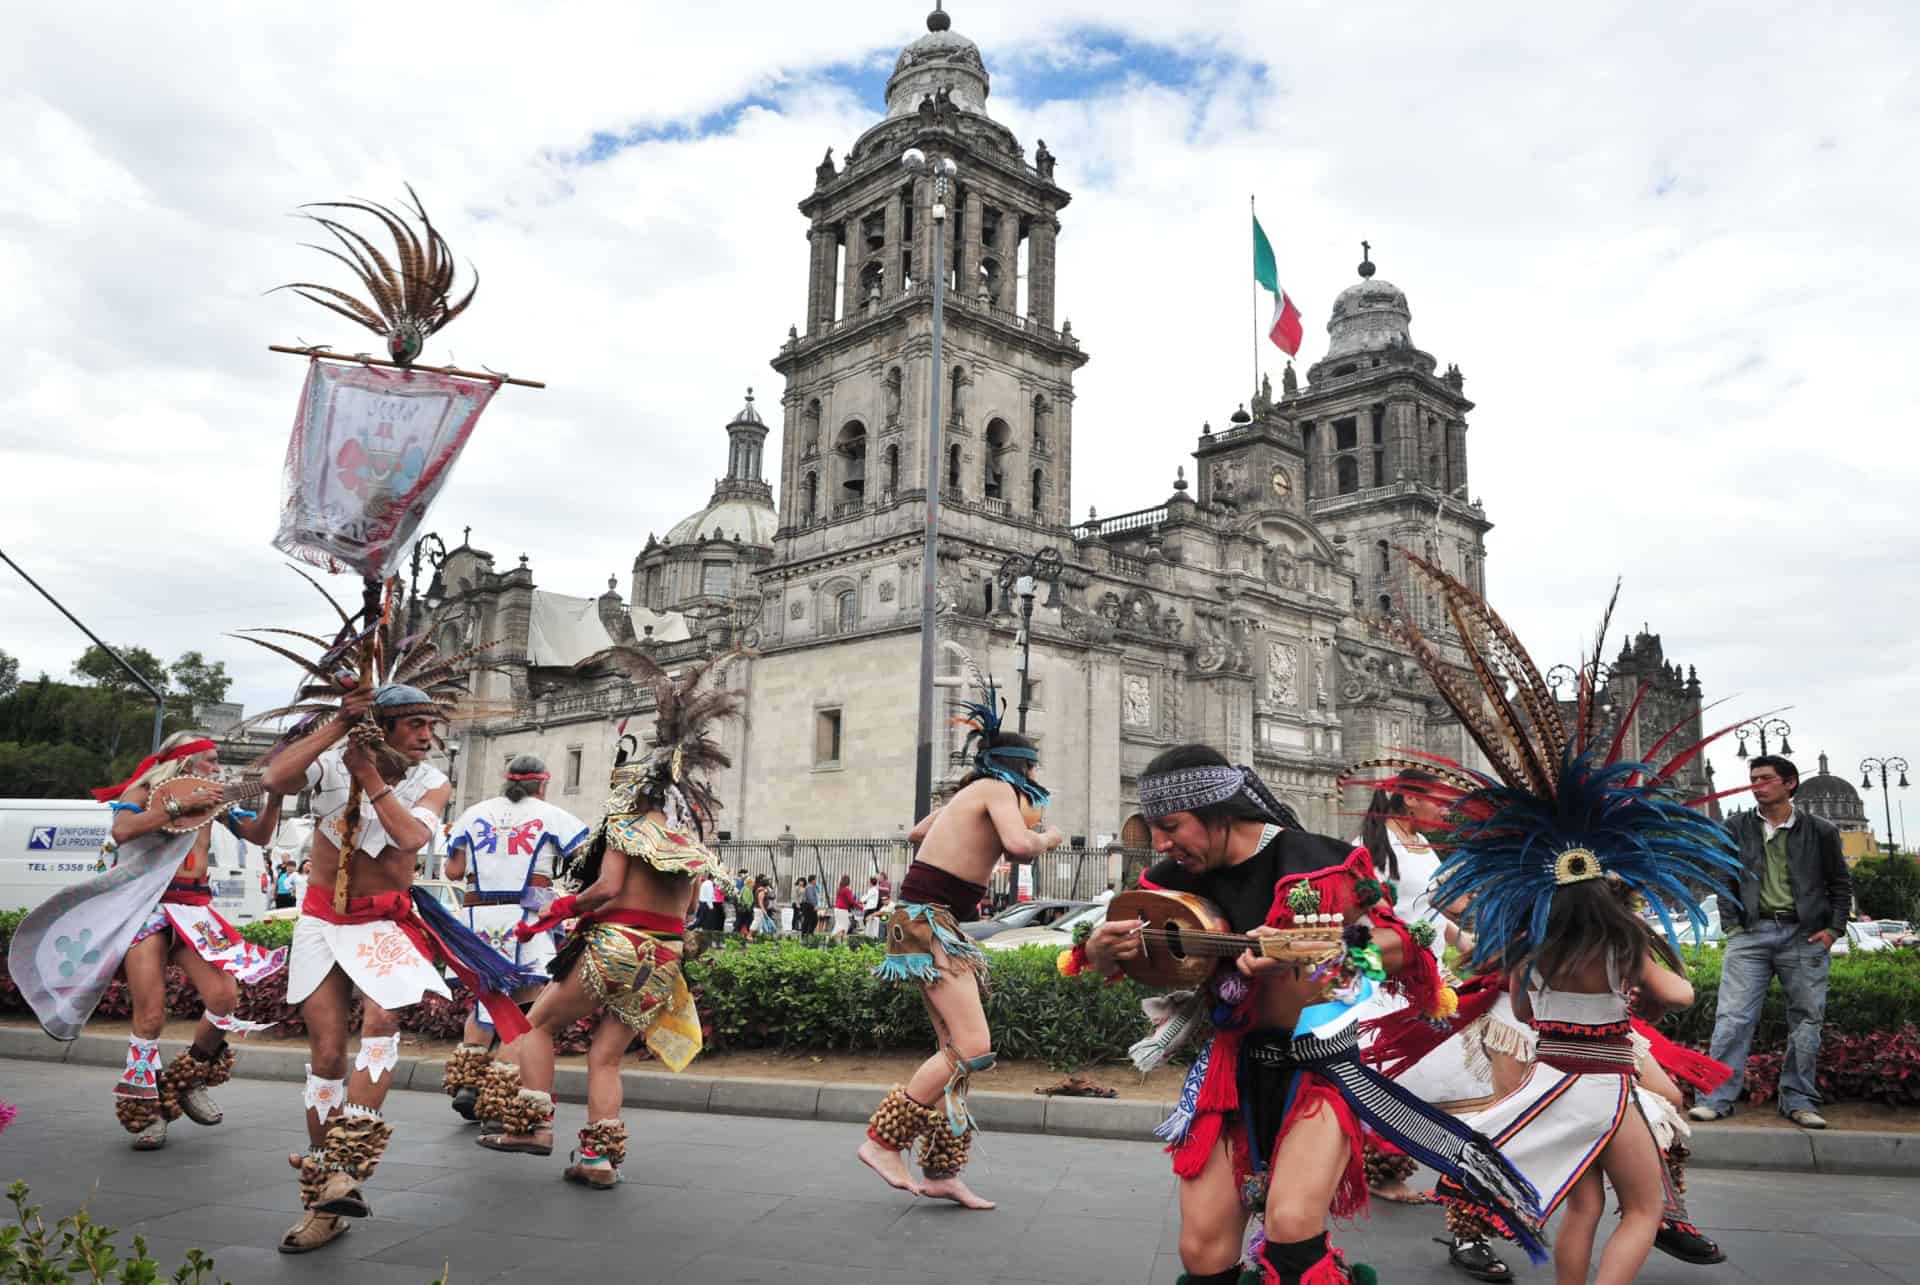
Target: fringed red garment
[
  {"x": 1338, "y": 887},
  {"x": 1404, "y": 1037},
  {"x": 1219, "y": 1100},
  {"x": 1683, "y": 1064},
  {"x": 1310, "y": 1094}
]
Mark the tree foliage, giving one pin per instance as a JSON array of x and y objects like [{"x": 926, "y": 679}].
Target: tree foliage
[{"x": 9, "y": 674}]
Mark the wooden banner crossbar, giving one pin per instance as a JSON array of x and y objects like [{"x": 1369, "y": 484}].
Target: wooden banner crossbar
[{"x": 367, "y": 359}]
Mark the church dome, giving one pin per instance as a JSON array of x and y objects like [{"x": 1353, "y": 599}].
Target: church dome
[
  {"x": 941, "y": 59},
  {"x": 1829, "y": 796},
  {"x": 1369, "y": 316},
  {"x": 748, "y": 521}
]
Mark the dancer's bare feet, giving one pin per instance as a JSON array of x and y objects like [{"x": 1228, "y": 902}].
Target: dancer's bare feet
[
  {"x": 952, "y": 1189},
  {"x": 1401, "y": 1194},
  {"x": 889, "y": 1164}
]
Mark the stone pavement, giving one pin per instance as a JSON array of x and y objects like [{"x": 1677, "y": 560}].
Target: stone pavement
[{"x": 715, "y": 1198}]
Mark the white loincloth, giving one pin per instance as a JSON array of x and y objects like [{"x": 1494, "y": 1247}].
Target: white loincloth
[
  {"x": 218, "y": 942},
  {"x": 1555, "y": 1125},
  {"x": 377, "y": 957}
]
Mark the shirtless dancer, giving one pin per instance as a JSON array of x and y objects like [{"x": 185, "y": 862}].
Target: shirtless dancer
[
  {"x": 172, "y": 922},
  {"x": 957, "y": 848},
  {"x": 623, "y": 960},
  {"x": 385, "y": 942}
]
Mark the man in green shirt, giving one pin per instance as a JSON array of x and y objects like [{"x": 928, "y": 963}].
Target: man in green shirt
[{"x": 1789, "y": 907}]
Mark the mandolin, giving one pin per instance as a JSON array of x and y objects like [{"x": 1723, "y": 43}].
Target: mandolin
[
  {"x": 1185, "y": 937},
  {"x": 181, "y": 787}
]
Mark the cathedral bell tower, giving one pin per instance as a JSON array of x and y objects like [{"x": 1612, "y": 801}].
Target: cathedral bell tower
[{"x": 854, "y": 429}]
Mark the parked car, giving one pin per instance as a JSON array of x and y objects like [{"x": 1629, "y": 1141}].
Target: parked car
[
  {"x": 1683, "y": 927},
  {"x": 1024, "y": 914},
  {"x": 1057, "y": 934}
]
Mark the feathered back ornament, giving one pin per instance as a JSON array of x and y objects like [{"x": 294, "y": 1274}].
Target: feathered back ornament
[
  {"x": 404, "y": 304},
  {"x": 400, "y": 661},
  {"x": 1559, "y": 810},
  {"x": 671, "y": 775},
  {"x": 1001, "y": 762}
]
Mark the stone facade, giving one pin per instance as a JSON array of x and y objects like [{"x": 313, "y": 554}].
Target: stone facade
[{"x": 1248, "y": 609}]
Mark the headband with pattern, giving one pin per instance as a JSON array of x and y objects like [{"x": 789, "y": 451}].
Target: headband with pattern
[{"x": 1188, "y": 788}]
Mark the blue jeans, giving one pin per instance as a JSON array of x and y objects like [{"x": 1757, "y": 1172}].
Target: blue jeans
[{"x": 1748, "y": 966}]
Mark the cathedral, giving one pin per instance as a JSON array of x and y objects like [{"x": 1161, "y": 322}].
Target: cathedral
[{"x": 1247, "y": 604}]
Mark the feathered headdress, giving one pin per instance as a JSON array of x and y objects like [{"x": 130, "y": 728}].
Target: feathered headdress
[
  {"x": 1559, "y": 809},
  {"x": 671, "y": 775},
  {"x": 411, "y": 674},
  {"x": 1001, "y": 762},
  {"x": 404, "y": 304}
]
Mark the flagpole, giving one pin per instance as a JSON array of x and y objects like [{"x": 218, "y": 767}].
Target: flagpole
[{"x": 1256, "y": 307}]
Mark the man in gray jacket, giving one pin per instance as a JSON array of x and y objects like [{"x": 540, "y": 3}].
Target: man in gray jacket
[{"x": 1791, "y": 905}]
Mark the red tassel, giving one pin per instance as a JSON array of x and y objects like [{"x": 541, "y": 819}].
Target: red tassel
[
  {"x": 1328, "y": 1271},
  {"x": 1310, "y": 1096},
  {"x": 1220, "y": 1091},
  {"x": 1335, "y": 884},
  {"x": 1191, "y": 1156},
  {"x": 1683, "y": 1064}
]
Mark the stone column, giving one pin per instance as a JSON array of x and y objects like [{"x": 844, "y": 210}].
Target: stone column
[
  {"x": 820, "y": 278},
  {"x": 1008, "y": 252},
  {"x": 967, "y": 228},
  {"x": 922, "y": 198},
  {"x": 1456, "y": 454},
  {"x": 891, "y": 277},
  {"x": 1040, "y": 242},
  {"x": 856, "y": 258}
]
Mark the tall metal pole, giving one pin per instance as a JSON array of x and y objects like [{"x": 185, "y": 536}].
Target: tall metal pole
[
  {"x": 159, "y": 700},
  {"x": 1026, "y": 649},
  {"x": 941, "y": 170},
  {"x": 1892, "y": 763}
]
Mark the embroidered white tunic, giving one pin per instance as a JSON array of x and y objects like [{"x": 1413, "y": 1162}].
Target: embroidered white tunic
[{"x": 507, "y": 844}]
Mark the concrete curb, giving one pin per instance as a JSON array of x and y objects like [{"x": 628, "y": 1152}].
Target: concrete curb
[{"x": 1714, "y": 1147}]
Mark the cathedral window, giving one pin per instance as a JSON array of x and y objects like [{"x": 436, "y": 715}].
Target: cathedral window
[
  {"x": 1040, "y": 418},
  {"x": 572, "y": 779},
  {"x": 846, "y": 611},
  {"x": 656, "y": 590},
  {"x": 999, "y": 439},
  {"x": 1386, "y": 604},
  {"x": 1039, "y": 492},
  {"x": 957, "y": 411},
  {"x": 716, "y": 578},
  {"x": 1382, "y": 557},
  {"x": 953, "y": 469},
  {"x": 826, "y": 738},
  {"x": 1310, "y": 473},
  {"x": 1346, "y": 475},
  {"x": 990, "y": 282},
  {"x": 893, "y": 469},
  {"x": 1345, "y": 433}
]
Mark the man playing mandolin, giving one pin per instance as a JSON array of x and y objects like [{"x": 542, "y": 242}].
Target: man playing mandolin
[
  {"x": 1311, "y": 930},
  {"x": 957, "y": 847}
]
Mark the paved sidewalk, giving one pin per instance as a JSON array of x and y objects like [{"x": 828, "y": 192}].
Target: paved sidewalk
[{"x": 716, "y": 1198}]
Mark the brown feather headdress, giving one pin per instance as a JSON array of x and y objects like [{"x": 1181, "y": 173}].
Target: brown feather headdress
[
  {"x": 403, "y": 304},
  {"x": 680, "y": 754}
]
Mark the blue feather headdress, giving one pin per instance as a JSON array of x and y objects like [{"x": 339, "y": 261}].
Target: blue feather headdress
[
  {"x": 1003, "y": 762},
  {"x": 1559, "y": 809}
]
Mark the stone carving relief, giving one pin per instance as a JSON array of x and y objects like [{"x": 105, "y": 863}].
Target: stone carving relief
[
  {"x": 796, "y": 609},
  {"x": 1228, "y": 478},
  {"x": 1137, "y": 701},
  {"x": 1214, "y": 649},
  {"x": 886, "y": 591},
  {"x": 1370, "y": 676},
  {"x": 1171, "y": 625},
  {"x": 1282, "y": 569},
  {"x": 1172, "y": 713},
  {"x": 1283, "y": 673}
]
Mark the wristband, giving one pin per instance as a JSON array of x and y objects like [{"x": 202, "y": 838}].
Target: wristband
[
  {"x": 383, "y": 794},
  {"x": 125, "y": 807},
  {"x": 173, "y": 809},
  {"x": 560, "y": 910}
]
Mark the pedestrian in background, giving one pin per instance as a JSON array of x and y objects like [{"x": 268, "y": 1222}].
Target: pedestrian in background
[{"x": 1789, "y": 907}]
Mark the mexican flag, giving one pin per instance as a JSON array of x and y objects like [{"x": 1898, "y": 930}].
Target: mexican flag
[{"x": 1286, "y": 330}]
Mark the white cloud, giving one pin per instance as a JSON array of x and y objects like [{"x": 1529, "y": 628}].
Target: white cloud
[{"x": 1671, "y": 248}]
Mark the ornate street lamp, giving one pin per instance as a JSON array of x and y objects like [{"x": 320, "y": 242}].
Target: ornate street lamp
[
  {"x": 1022, "y": 577},
  {"x": 1891, "y": 764},
  {"x": 435, "y": 552},
  {"x": 1763, "y": 728}
]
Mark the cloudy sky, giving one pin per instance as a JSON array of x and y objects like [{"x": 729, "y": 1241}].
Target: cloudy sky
[{"x": 1672, "y": 248}]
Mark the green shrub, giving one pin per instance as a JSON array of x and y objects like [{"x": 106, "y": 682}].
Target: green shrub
[
  {"x": 1867, "y": 992},
  {"x": 78, "y": 1249},
  {"x": 270, "y": 934},
  {"x": 1887, "y": 887},
  {"x": 784, "y": 994}
]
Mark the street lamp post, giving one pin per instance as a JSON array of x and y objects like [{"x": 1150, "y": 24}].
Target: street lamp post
[
  {"x": 1893, "y": 763},
  {"x": 1022, "y": 576},
  {"x": 1764, "y": 728},
  {"x": 941, "y": 170},
  {"x": 435, "y": 550}
]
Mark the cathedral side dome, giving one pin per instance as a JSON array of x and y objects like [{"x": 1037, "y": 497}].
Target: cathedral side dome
[
  {"x": 1369, "y": 316},
  {"x": 941, "y": 59},
  {"x": 749, "y": 521},
  {"x": 1826, "y": 795}
]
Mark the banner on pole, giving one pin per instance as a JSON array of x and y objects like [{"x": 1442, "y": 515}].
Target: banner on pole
[{"x": 370, "y": 450}]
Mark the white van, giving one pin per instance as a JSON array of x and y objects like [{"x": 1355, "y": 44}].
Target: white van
[{"x": 46, "y": 844}]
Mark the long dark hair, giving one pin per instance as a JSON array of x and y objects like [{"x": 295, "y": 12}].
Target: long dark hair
[
  {"x": 524, "y": 765},
  {"x": 1386, "y": 804},
  {"x": 1594, "y": 922}
]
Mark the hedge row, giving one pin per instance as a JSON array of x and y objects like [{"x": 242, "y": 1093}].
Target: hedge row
[{"x": 819, "y": 994}]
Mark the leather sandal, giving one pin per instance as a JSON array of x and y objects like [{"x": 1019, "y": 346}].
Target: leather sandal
[
  {"x": 519, "y": 1144},
  {"x": 340, "y": 1194},
  {"x": 312, "y": 1231}
]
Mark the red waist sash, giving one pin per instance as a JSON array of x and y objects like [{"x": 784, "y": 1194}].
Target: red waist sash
[
  {"x": 646, "y": 920},
  {"x": 397, "y": 907},
  {"x": 187, "y": 894}
]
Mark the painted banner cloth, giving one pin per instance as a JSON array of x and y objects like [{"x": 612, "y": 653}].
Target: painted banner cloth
[{"x": 370, "y": 449}]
